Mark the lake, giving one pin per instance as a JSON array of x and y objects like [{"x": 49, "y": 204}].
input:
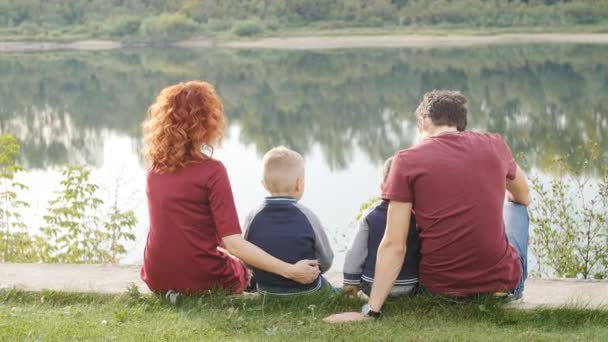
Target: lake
[{"x": 344, "y": 110}]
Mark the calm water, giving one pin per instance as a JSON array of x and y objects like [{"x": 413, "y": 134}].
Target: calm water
[{"x": 345, "y": 111}]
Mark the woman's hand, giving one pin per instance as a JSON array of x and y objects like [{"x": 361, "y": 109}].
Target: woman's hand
[{"x": 304, "y": 271}]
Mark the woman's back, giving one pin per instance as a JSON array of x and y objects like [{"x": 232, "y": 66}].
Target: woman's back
[{"x": 190, "y": 210}]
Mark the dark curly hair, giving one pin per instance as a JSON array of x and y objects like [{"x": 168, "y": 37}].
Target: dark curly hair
[
  {"x": 444, "y": 108},
  {"x": 184, "y": 117}
]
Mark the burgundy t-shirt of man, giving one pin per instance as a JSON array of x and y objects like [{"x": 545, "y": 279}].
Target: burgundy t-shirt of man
[{"x": 456, "y": 183}]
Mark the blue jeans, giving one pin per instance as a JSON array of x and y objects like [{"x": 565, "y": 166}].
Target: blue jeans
[{"x": 517, "y": 225}]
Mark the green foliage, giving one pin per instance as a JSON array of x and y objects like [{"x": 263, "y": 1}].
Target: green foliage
[
  {"x": 179, "y": 18},
  {"x": 366, "y": 206},
  {"x": 122, "y": 25},
  {"x": 15, "y": 242},
  {"x": 168, "y": 25},
  {"x": 248, "y": 28},
  {"x": 75, "y": 231},
  {"x": 569, "y": 217}
]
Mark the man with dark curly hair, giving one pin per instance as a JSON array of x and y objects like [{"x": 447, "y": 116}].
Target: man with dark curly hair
[{"x": 472, "y": 240}]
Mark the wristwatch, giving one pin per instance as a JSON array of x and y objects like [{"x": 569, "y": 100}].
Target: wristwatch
[{"x": 367, "y": 311}]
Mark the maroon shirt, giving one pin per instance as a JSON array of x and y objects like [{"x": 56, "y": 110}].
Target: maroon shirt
[
  {"x": 191, "y": 210},
  {"x": 456, "y": 183}
]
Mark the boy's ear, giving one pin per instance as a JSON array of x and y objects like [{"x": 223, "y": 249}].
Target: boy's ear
[
  {"x": 299, "y": 184},
  {"x": 264, "y": 185}
]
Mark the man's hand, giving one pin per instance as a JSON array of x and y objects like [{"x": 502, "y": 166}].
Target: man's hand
[
  {"x": 345, "y": 317},
  {"x": 304, "y": 271},
  {"x": 517, "y": 189}
]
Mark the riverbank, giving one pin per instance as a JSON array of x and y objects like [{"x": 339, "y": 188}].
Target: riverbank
[
  {"x": 114, "y": 279},
  {"x": 320, "y": 42}
]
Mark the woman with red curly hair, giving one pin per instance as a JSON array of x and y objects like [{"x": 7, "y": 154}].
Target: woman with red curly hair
[{"x": 190, "y": 201}]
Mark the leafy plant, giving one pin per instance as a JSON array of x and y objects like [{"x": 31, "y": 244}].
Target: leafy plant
[
  {"x": 248, "y": 28},
  {"x": 75, "y": 231},
  {"x": 15, "y": 242},
  {"x": 569, "y": 217},
  {"x": 168, "y": 25},
  {"x": 366, "y": 206}
]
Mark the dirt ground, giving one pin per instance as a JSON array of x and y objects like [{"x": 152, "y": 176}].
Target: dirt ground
[
  {"x": 116, "y": 279},
  {"x": 329, "y": 42}
]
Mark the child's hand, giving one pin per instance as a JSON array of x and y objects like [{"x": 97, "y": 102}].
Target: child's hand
[{"x": 351, "y": 290}]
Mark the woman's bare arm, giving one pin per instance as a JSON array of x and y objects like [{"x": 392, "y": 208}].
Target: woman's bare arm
[{"x": 304, "y": 271}]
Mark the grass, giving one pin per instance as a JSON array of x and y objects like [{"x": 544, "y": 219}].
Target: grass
[{"x": 57, "y": 316}]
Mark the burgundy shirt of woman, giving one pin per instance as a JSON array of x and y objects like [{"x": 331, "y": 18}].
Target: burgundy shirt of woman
[{"x": 190, "y": 211}]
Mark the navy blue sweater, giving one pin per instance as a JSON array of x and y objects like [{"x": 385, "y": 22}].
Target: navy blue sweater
[
  {"x": 288, "y": 231},
  {"x": 360, "y": 261}
]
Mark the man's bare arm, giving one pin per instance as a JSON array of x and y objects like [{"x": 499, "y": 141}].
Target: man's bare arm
[
  {"x": 517, "y": 189},
  {"x": 391, "y": 253}
]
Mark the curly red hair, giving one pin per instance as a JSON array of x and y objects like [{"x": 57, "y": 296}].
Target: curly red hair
[{"x": 184, "y": 117}]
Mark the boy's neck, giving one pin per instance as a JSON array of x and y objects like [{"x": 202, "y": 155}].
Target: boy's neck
[{"x": 284, "y": 194}]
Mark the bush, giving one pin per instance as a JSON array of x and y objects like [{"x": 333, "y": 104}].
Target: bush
[
  {"x": 580, "y": 13},
  {"x": 122, "y": 26},
  {"x": 15, "y": 242},
  {"x": 168, "y": 25},
  {"x": 75, "y": 232},
  {"x": 248, "y": 28},
  {"x": 569, "y": 219},
  {"x": 218, "y": 25}
]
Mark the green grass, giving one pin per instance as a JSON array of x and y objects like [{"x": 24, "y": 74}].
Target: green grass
[{"x": 53, "y": 316}]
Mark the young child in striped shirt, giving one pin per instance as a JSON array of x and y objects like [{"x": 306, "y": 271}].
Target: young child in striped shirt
[{"x": 360, "y": 261}]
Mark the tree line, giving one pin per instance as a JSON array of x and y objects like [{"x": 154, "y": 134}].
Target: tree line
[{"x": 157, "y": 19}]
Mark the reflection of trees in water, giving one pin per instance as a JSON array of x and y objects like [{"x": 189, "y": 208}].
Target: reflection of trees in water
[
  {"x": 546, "y": 100},
  {"x": 48, "y": 138}
]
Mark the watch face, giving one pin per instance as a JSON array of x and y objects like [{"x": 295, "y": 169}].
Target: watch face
[{"x": 368, "y": 312}]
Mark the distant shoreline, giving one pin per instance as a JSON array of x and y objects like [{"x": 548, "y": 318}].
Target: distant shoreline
[{"x": 318, "y": 42}]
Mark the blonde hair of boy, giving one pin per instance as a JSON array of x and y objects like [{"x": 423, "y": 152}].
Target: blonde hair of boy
[
  {"x": 386, "y": 169},
  {"x": 283, "y": 172}
]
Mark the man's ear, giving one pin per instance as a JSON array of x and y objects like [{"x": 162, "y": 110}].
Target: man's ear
[
  {"x": 264, "y": 185},
  {"x": 424, "y": 124}
]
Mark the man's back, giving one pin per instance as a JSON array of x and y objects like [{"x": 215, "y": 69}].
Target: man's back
[{"x": 456, "y": 182}]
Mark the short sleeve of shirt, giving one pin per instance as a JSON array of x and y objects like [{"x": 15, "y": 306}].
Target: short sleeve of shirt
[
  {"x": 222, "y": 204},
  {"x": 506, "y": 158},
  {"x": 398, "y": 185}
]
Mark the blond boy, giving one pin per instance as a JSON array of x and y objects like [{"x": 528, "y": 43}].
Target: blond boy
[{"x": 284, "y": 228}]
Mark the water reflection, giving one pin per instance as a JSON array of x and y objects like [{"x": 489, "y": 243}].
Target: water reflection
[
  {"x": 344, "y": 110},
  {"x": 546, "y": 100}
]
